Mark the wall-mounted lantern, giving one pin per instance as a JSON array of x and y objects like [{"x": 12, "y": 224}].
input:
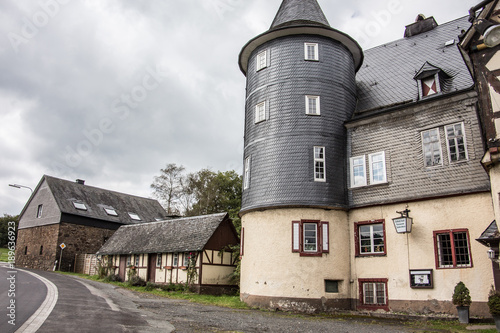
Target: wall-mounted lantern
[
  {"x": 403, "y": 223},
  {"x": 491, "y": 254}
]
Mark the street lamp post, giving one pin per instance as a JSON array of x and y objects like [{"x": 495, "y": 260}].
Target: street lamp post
[{"x": 21, "y": 186}]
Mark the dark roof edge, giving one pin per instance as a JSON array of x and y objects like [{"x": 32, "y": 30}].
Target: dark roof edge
[
  {"x": 343, "y": 38},
  {"x": 287, "y": 206},
  {"x": 381, "y": 111}
]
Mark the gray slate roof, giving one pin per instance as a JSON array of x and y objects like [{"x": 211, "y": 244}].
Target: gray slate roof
[
  {"x": 299, "y": 12},
  {"x": 386, "y": 77},
  {"x": 96, "y": 199},
  {"x": 178, "y": 235}
]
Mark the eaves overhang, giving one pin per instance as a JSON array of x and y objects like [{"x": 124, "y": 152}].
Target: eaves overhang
[{"x": 344, "y": 39}]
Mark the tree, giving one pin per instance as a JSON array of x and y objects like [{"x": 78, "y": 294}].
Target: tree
[
  {"x": 168, "y": 187},
  {"x": 6, "y": 225}
]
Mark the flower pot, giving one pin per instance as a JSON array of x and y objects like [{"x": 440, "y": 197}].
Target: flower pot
[
  {"x": 463, "y": 314},
  {"x": 497, "y": 322}
]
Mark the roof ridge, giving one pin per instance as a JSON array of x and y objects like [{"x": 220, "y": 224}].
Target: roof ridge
[{"x": 177, "y": 220}]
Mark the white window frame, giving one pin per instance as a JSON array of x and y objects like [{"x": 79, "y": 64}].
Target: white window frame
[
  {"x": 429, "y": 144},
  {"x": 260, "y": 112},
  {"x": 311, "y": 57},
  {"x": 319, "y": 160},
  {"x": 158, "y": 259},
  {"x": 261, "y": 60},
  {"x": 134, "y": 216},
  {"x": 111, "y": 211},
  {"x": 136, "y": 260},
  {"x": 374, "y": 294},
  {"x": 307, "y": 235},
  {"x": 186, "y": 259},
  {"x": 246, "y": 181},
  {"x": 316, "y": 99},
  {"x": 371, "y": 164},
  {"x": 421, "y": 84},
  {"x": 372, "y": 239},
  {"x": 454, "y": 138},
  {"x": 175, "y": 259},
  {"x": 352, "y": 165}
]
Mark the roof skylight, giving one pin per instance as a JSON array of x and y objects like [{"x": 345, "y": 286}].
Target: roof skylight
[
  {"x": 79, "y": 205},
  {"x": 134, "y": 216},
  {"x": 111, "y": 211}
]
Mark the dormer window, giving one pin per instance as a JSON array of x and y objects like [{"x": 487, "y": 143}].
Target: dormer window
[
  {"x": 431, "y": 80},
  {"x": 79, "y": 205},
  {"x": 134, "y": 216},
  {"x": 111, "y": 211}
]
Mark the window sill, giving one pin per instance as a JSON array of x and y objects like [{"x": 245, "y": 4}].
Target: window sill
[
  {"x": 462, "y": 267},
  {"x": 311, "y": 254},
  {"x": 368, "y": 185},
  {"x": 368, "y": 255}
]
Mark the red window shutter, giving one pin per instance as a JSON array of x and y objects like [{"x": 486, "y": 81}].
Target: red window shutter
[
  {"x": 296, "y": 236},
  {"x": 325, "y": 237}
]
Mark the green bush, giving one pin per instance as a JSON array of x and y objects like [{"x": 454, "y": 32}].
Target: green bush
[
  {"x": 461, "y": 295},
  {"x": 494, "y": 302},
  {"x": 136, "y": 281},
  {"x": 112, "y": 278}
]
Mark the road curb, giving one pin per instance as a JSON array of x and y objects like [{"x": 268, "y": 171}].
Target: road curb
[{"x": 38, "y": 318}]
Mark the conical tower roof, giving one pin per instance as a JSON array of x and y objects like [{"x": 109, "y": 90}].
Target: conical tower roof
[
  {"x": 299, "y": 12},
  {"x": 300, "y": 17}
]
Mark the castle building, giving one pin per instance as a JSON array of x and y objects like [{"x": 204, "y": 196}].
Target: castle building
[{"x": 342, "y": 148}]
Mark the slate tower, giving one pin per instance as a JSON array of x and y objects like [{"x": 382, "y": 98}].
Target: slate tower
[{"x": 300, "y": 90}]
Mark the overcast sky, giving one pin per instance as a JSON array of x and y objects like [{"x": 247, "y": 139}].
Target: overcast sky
[{"x": 110, "y": 91}]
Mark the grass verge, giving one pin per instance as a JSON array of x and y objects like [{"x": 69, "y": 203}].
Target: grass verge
[{"x": 4, "y": 254}]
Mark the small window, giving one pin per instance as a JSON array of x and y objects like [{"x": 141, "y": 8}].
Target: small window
[
  {"x": 111, "y": 211},
  {"x": 310, "y": 238},
  {"x": 373, "y": 293},
  {"x": 175, "y": 260},
  {"x": 319, "y": 164},
  {"x": 311, "y": 51},
  {"x": 370, "y": 238},
  {"x": 25, "y": 250},
  {"x": 39, "y": 211},
  {"x": 136, "y": 263},
  {"x": 331, "y": 286},
  {"x": 260, "y": 112},
  {"x": 312, "y": 105},
  {"x": 246, "y": 181},
  {"x": 158, "y": 260},
  {"x": 261, "y": 60},
  {"x": 79, "y": 205},
  {"x": 452, "y": 248},
  {"x": 431, "y": 146},
  {"x": 41, "y": 249},
  {"x": 129, "y": 260},
  {"x": 377, "y": 168},
  {"x": 455, "y": 138},
  {"x": 429, "y": 86},
  {"x": 186, "y": 259},
  {"x": 358, "y": 171},
  {"x": 134, "y": 216}
]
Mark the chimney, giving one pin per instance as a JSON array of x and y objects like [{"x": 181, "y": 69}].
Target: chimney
[
  {"x": 420, "y": 26},
  {"x": 80, "y": 181}
]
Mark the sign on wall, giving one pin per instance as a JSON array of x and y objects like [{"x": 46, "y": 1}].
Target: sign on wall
[{"x": 421, "y": 278}]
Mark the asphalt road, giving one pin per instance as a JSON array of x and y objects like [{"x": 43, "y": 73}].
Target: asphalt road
[
  {"x": 21, "y": 294},
  {"x": 88, "y": 306}
]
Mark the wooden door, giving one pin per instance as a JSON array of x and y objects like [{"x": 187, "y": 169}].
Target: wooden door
[
  {"x": 121, "y": 268},
  {"x": 152, "y": 267}
]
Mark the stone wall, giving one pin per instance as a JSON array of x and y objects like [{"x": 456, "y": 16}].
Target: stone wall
[
  {"x": 79, "y": 239},
  {"x": 36, "y": 247}
]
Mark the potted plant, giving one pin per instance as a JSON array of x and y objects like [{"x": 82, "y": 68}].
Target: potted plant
[
  {"x": 461, "y": 298},
  {"x": 494, "y": 305}
]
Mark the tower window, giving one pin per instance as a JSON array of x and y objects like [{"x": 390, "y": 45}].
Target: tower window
[
  {"x": 260, "y": 112},
  {"x": 377, "y": 168},
  {"x": 246, "y": 180},
  {"x": 311, "y": 51},
  {"x": 431, "y": 147},
  {"x": 319, "y": 164},
  {"x": 312, "y": 105},
  {"x": 456, "y": 142},
  {"x": 358, "y": 171},
  {"x": 310, "y": 238},
  {"x": 261, "y": 60}
]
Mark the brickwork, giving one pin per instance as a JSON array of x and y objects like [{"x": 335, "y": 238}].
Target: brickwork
[{"x": 36, "y": 247}]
